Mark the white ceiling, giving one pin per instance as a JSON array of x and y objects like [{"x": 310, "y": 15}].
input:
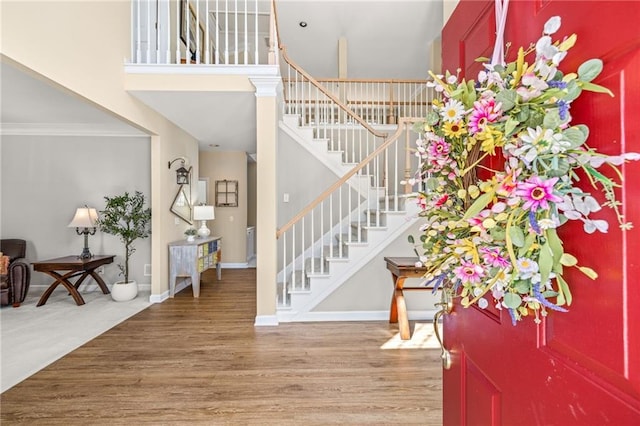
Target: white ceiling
[{"x": 385, "y": 39}]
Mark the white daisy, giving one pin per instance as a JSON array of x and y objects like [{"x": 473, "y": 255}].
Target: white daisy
[{"x": 452, "y": 111}]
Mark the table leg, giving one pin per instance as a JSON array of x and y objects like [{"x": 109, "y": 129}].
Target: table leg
[
  {"x": 398, "y": 311},
  {"x": 61, "y": 279},
  {"x": 98, "y": 279}
]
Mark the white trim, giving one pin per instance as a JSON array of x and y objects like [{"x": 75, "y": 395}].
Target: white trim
[
  {"x": 286, "y": 316},
  {"x": 69, "y": 129},
  {"x": 159, "y": 298},
  {"x": 266, "y": 86},
  {"x": 239, "y": 265},
  {"x": 199, "y": 69},
  {"x": 266, "y": 320}
]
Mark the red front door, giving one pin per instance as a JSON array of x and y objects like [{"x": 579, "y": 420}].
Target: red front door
[{"x": 580, "y": 367}]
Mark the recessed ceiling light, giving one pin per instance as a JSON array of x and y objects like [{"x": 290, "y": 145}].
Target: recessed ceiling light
[{"x": 303, "y": 24}]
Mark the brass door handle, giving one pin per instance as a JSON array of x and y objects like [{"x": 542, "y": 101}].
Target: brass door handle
[{"x": 446, "y": 306}]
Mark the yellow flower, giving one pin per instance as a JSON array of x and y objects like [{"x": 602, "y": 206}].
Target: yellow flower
[
  {"x": 454, "y": 129},
  {"x": 491, "y": 139}
]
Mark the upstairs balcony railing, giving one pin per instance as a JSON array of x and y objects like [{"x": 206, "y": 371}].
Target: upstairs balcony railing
[{"x": 212, "y": 32}]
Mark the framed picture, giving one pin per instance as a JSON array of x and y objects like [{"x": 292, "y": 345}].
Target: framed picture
[
  {"x": 226, "y": 193},
  {"x": 192, "y": 24}
]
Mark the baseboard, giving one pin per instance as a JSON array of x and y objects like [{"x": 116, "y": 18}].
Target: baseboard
[
  {"x": 244, "y": 265},
  {"x": 266, "y": 320},
  {"x": 159, "y": 298},
  {"x": 284, "y": 316}
]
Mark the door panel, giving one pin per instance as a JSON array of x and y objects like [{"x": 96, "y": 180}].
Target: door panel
[{"x": 582, "y": 367}]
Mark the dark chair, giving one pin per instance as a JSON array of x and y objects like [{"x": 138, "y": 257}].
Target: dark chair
[{"x": 15, "y": 285}]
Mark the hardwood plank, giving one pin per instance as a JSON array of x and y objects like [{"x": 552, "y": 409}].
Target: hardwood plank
[{"x": 202, "y": 361}]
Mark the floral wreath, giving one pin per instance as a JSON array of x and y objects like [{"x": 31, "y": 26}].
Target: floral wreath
[{"x": 497, "y": 238}]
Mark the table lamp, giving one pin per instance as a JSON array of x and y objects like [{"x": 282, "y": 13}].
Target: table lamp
[
  {"x": 203, "y": 213},
  {"x": 85, "y": 223}
]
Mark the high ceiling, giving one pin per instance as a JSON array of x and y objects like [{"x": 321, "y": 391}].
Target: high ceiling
[{"x": 385, "y": 39}]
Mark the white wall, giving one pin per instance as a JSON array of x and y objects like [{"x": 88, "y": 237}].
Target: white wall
[
  {"x": 300, "y": 175},
  {"x": 45, "y": 178},
  {"x": 370, "y": 289}
]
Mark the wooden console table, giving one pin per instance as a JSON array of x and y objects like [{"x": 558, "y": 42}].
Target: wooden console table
[
  {"x": 190, "y": 259},
  {"x": 402, "y": 268},
  {"x": 75, "y": 267}
]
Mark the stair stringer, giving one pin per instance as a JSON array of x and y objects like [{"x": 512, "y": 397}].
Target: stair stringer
[{"x": 340, "y": 271}]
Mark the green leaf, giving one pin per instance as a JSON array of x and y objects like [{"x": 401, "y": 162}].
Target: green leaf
[
  {"x": 523, "y": 114},
  {"x": 595, "y": 88},
  {"x": 512, "y": 300},
  {"x": 528, "y": 242},
  {"x": 510, "y": 126},
  {"x": 573, "y": 91},
  {"x": 555, "y": 244},
  {"x": 522, "y": 287},
  {"x": 560, "y": 167},
  {"x": 507, "y": 98},
  {"x": 575, "y": 136},
  {"x": 568, "y": 260},
  {"x": 482, "y": 59},
  {"x": 432, "y": 184},
  {"x": 517, "y": 236},
  {"x": 497, "y": 233},
  {"x": 590, "y": 69},
  {"x": 478, "y": 205},
  {"x": 588, "y": 272},
  {"x": 411, "y": 239},
  {"x": 563, "y": 289},
  {"x": 545, "y": 263},
  {"x": 551, "y": 119}
]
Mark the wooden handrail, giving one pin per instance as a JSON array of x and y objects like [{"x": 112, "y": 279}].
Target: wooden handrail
[
  {"x": 403, "y": 121},
  {"x": 369, "y": 80},
  {"x": 321, "y": 88}
]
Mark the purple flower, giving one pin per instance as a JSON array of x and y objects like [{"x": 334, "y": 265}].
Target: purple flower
[
  {"x": 439, "y": 148},
  {"x": 469, "y": 272},
  {"x": 537, "y": 193},
  {"x": 563, "y": 109},
  {"x": 559, "y": 84},
  {"x": 484, "y": 111},
  {"x": 492, "y": 257}
]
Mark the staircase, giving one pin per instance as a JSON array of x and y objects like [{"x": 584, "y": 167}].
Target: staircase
[
  {"x": 356, "y": 218},
  {"x": 351, "y": 226}
]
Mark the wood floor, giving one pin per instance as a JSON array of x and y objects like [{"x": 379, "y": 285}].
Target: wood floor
[{"x": 202, "y": 361}]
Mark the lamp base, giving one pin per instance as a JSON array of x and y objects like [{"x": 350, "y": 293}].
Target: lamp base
[{"x": 203, "y": 231}]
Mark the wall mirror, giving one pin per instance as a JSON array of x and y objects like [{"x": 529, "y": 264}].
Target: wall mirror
[
  {"x": 181, "y": 206},
  {"x": 203, "y": 191}
]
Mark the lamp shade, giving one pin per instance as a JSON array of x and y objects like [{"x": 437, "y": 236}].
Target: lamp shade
[
  {"x": 203, "y": 213},
  {"x": 85, "y": 217}
]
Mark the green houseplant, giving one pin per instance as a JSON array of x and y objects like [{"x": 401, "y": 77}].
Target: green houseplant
[
  {"x": 126, "y": 217},
  {"x": 190, "y": 233}
]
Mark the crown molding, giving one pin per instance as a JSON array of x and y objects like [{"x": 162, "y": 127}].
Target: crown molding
[{"x": 69, "y": 129}]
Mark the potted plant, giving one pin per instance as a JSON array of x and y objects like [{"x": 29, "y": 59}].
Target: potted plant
[
  {"x": 191, "y": 233},
  {"x": 126, "y": 217}
]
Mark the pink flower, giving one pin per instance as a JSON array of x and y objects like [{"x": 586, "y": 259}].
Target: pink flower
[
  {"x": 439, "y": 148},
  {"x": 484, "y": 111},
  {"x": 492, "y": 257},
  {"x": 537, "y": 192},
  {"x": 469, "y": 272}
]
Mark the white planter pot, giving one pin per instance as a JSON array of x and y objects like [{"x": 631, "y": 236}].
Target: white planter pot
[
  {"x": 122, "y": 292},
  {"x": 191, "y": 238}
]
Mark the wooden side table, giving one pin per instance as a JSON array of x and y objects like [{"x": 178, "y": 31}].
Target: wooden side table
[
  {"x": 402, "y": 268},
  {"x": 74, "y": 266}
]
